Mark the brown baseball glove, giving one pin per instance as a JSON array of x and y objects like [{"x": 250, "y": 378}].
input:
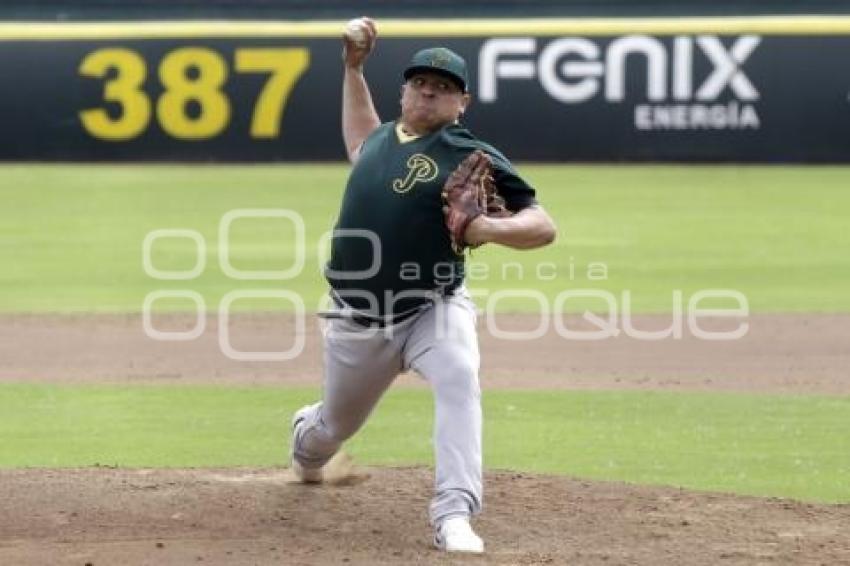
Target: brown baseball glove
[{"x": 468, "y": 193}]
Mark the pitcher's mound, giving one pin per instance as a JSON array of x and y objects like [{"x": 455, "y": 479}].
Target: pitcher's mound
[{"x": 379, "y": 516}]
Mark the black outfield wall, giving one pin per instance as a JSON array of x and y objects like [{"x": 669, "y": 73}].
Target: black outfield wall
[{"x": 756, "y": 90}]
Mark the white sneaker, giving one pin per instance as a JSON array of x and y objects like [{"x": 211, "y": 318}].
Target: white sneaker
[
  {"x": 456, "y": 535},
  {"x": 304, "y": 475}
]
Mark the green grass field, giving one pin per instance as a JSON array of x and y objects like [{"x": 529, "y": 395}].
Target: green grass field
[
  {"x": 763, "y": 445},
  {"x": 71, "y": 236},
  {"x": 71, "y": 241}
]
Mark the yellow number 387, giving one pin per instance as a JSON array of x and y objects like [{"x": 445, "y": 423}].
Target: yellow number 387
[{"x": 188, "y": 74}]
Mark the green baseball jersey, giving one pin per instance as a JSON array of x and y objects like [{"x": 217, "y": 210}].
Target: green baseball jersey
[{"x": 391, "y": 244}]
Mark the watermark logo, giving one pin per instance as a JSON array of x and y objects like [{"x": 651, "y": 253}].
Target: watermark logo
[
  {"x": 225, "y": 307},
  {"x": 613, "y": 317},
  {"x": 581, "y": 314}
]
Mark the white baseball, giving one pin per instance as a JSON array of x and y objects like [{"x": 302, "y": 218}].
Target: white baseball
[{"x": 355, "y": 31}]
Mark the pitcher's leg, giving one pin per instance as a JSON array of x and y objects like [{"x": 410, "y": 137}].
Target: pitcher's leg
[
  {"x": 443, "y": 348},
  {"x": 359, "y": 366}
]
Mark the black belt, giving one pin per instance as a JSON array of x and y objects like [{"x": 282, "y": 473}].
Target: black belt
[{"x": 368, "y": 321}]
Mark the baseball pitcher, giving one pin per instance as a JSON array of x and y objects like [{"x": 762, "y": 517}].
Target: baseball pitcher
[{"x": 421, "y": 191}]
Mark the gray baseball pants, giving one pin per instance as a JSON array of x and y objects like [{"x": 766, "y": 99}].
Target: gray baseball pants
[{"x": 441, "y": 345}]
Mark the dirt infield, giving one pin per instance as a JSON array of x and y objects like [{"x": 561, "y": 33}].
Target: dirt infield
[
  {"x": 779, "y": 354},
  {"x": 236, "y": 517},
  {"x": 105, "y": 516}
]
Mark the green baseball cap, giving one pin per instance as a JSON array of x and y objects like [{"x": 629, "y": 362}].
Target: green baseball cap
[{"x": 439, "y": 60}]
